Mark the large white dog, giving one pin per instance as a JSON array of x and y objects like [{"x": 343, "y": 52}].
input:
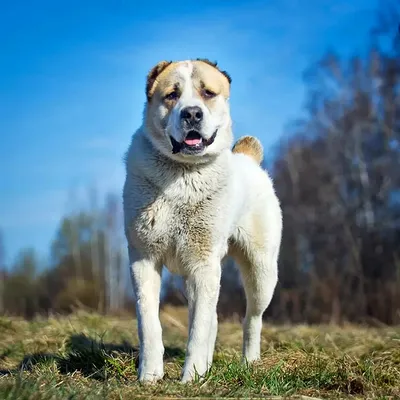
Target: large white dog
[{"x": 189, "y": 201}]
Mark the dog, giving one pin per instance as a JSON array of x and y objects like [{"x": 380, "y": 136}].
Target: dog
[{"x": 190, "y": 199}]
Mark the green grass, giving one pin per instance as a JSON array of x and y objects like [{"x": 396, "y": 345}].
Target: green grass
[{"x": 88, "y": 356}]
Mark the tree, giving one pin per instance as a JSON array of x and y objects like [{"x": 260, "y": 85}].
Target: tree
[
  {"x": 338, "y": 181},
  {"x": 21, "y": 289}
]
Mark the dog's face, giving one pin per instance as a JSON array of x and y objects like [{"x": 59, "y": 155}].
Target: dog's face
[{"x": 187, "y": 114}]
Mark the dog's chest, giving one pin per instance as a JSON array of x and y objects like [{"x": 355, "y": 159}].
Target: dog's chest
[{"x": 176, "y": 231}]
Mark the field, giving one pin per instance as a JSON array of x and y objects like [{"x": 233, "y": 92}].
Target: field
[{"x": 88, "y": 356}]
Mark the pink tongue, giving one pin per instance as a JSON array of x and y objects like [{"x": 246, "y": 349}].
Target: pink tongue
[{"x": 192, "y": 142}]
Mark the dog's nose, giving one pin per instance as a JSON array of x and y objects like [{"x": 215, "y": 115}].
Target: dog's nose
[{"x": 192, "y": 114}]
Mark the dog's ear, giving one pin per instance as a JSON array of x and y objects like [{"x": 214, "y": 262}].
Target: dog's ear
[
  {"x": 215, "y": 65},
  {"x": 152, "y": 76}
]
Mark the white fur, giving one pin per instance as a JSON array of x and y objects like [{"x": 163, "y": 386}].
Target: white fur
[
  {"x": 189, "y": 99},
  {"x": 219, "y": 119},
  {"x": 182, "y": 215}
]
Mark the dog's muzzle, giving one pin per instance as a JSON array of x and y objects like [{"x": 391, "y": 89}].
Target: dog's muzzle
[{"x": 193, "y": 143}]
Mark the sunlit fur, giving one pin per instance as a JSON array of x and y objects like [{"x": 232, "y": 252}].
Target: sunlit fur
[{"x": 189, "y": 211}]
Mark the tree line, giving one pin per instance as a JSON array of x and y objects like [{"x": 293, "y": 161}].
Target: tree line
[{"x": 337, "y": 175}]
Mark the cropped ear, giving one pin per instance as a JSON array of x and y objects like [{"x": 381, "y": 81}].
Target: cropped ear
[
  {"x": 215, "y": 65},
  {"x": 152, "y": 76}
]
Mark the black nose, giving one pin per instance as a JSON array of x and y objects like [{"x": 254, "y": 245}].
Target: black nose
[{"x": 192, "y": 114}]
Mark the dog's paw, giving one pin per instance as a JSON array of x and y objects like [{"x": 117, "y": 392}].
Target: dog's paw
[
  {"x": 191, "y": 377},
  {"x": 150, "y": 375},
  {"x": 191, "y": 372},
  {"x": 250, "y": 357},
  {"x": 187, "y": 378}
]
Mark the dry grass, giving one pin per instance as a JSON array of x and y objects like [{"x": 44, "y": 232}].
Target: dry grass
[{"x": 88, "y": 356}]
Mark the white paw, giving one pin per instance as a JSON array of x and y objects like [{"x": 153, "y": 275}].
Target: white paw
[
  {"x": 192, "y": 370},
  {"x": 150, "y": 373},
  {"x": 251, "y": 358}
]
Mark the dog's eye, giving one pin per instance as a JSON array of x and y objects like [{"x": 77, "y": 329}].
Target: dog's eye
[
  {"x": 207, "y": 93},
  {"x": 172, "y": 96}
]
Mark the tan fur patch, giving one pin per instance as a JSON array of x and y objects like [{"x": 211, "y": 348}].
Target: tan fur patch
[
  {"x": 199, "y": 233},
  {"x": 163, "y": 78},
  {"x": 153, "y": 75},
  {"x": 250, "y": 146},
  {"x": 167, "y": 80},
  {"x": 258, "y": 232},
  {"x": 207, "y": 76},
  {"x": 215, "y": 65}
]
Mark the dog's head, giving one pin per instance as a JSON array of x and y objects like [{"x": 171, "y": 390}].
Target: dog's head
[{"x": 187, "y": 113}]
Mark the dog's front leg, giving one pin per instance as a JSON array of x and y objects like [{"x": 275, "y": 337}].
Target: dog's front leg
[
  {"x": 146, "y": 278},
  {"x": 202, "y": 290}
]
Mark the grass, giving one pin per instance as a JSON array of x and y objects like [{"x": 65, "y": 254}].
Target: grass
[{"x": 88, "y": 356}]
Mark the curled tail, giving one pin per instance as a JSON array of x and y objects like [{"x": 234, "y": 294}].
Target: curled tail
[{"x": 251, "y": 147}]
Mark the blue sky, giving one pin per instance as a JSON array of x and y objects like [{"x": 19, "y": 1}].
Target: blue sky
[{"x": 72, "y": 86}]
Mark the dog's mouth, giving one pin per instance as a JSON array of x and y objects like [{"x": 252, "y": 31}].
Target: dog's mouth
[{"x": 193, "y": 143}]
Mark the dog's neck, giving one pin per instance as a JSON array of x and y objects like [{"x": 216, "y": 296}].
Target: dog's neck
[{"x": 144, "y": 160}]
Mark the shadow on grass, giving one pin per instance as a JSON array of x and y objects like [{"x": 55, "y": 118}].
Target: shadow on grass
[{"x": 93, "y": 358}]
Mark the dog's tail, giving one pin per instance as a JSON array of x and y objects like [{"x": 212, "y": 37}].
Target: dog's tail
[{"x": 250, "y": 146}]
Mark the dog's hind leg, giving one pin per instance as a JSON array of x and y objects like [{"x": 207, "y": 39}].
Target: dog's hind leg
[
  {"x": 146, "y": 279},
  {"x": 259, "y": 276}
]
